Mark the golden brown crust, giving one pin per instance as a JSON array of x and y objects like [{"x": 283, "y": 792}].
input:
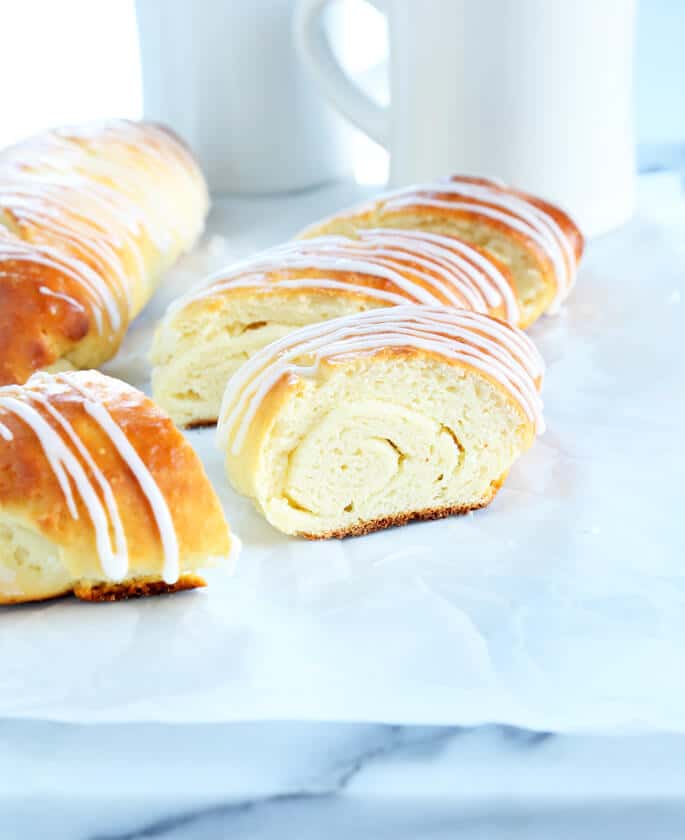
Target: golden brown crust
[
  {"x": 419, "y": 217},
  {"x": 394, "y": 217},
  {"x": 408, "y": 262},
  {"x": 135, "y": 589},
  {"x": 97, "y": 592},
  {"x": 456, "y": 220},
  {"x": 568, "y": 227},
  {"x": 37, "y": 329},
  {"x": 31, "y": 495},
  {"x": 201, "y": 424},
  {"x": 368, "y": 527},
  {"x": 81, "y": 246},
  {"x": 560, "y": 216}
]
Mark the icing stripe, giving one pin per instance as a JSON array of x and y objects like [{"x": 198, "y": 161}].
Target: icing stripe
[
  {"x": 77, "y": 271},
  {"x": 66, "y": 298},
  {"x": 465, "y": 256},
  {"x": 259, "y": 282},
  {"x": 160, "y": 509},
  {"x": 496, "y": 349},
  {"x": 69, "y": 455},
  {"x": 66, "y": 466},
  {"x": 422, "y": 268},
  {"x": 505, "y": 206},
  {"x": 120, "y": 557},
  {"x": 389, "y": 257},
  {"x": 92, "y": 202},
  {"x": 155, "y": 498},
  {"x": 438, "y": 261},
  {"x": 51, "y": 214}
]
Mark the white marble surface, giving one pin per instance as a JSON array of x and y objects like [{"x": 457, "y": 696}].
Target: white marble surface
[{"x": 307, "y": 781}]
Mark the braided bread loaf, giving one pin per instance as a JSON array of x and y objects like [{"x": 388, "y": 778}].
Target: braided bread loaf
[
  {"x": 209, "y": 333},
  {"x": 537, "y": 241},
  {"x": 90, "y": 218}
]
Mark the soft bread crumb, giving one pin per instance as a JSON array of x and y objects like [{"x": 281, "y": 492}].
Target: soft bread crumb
[
  {"x": 196, "y": 349},
  {"x": 378, "y": 441}
]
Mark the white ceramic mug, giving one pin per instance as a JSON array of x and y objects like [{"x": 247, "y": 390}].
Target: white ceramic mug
[
  {"x": 536, "y": 92},
  {"x": 226, "y": 77}
]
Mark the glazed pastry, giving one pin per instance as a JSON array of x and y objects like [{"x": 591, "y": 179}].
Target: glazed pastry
[
  {"x": 539, "y": 242},
  {"x": 209, "y": 333},
  {"x": 375, "y": 419},
  {"x": 100, "y": 495},
  {"x": 90, "y": 218}
]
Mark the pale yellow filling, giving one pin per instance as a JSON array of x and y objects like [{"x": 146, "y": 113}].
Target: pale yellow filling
[
  {"x": 376, "y": 438},
  {"x": 195, "y": 351}
]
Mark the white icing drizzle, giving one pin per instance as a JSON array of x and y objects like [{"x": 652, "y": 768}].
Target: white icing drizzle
[
  {"x": 49, "y": 213},
  {"x": 5, "y": 433},
  {"x": 66, "y": 466},
  {"x": 477, "y": 298},
  {"x": 462, "y": 257},
  {"x": 160, "y": 509},
  {"x": 90, "y": 201},
  {"x": 498, "y": 350},
  {"x": 389, "y": 257},
  {"x": 261, "y": 282},
  {"x": 76, "y": 270},
  {"x": 155, "y": 498},
  {"x": 67, "y": 456},
  {"x": 507, "y": 207},
  {"x": 85, "y": 150},
  {"x": 120, "y": 556},
  {"x": 60, "y": 296},
  {"x": 423, "y": 268},
  {"x": 345, "y": 262}
]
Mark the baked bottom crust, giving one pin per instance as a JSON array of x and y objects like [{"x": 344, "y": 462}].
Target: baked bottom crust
[
  {"x": 371, "y": 525},
  {"x": 100, "y": 592},
  {"x": 141, "y": 588},
  {"x": 108, "y": 503},
  {"x": 200, "y": 424}
]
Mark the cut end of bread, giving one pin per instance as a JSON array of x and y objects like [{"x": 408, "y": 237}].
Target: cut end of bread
[
  {"x": 376, "y": 442},
  {"x": 197, "y": 349}
]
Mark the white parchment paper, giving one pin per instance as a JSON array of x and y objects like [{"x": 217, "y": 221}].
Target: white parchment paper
[{"x": 561, "y": 607}]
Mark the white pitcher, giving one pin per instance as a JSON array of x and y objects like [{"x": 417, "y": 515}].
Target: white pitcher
[{"x": 536, "y": 92}]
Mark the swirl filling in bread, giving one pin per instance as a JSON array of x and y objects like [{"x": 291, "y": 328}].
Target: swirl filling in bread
[{"x": 411, "y": 412}]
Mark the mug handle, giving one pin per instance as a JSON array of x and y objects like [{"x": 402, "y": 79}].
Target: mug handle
[{"x": 335, "y": 84}]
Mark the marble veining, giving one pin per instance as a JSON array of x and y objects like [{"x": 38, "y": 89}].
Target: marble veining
[
  {"x": 330, "y": 781},
  {"x": 307, "y": 780}
]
